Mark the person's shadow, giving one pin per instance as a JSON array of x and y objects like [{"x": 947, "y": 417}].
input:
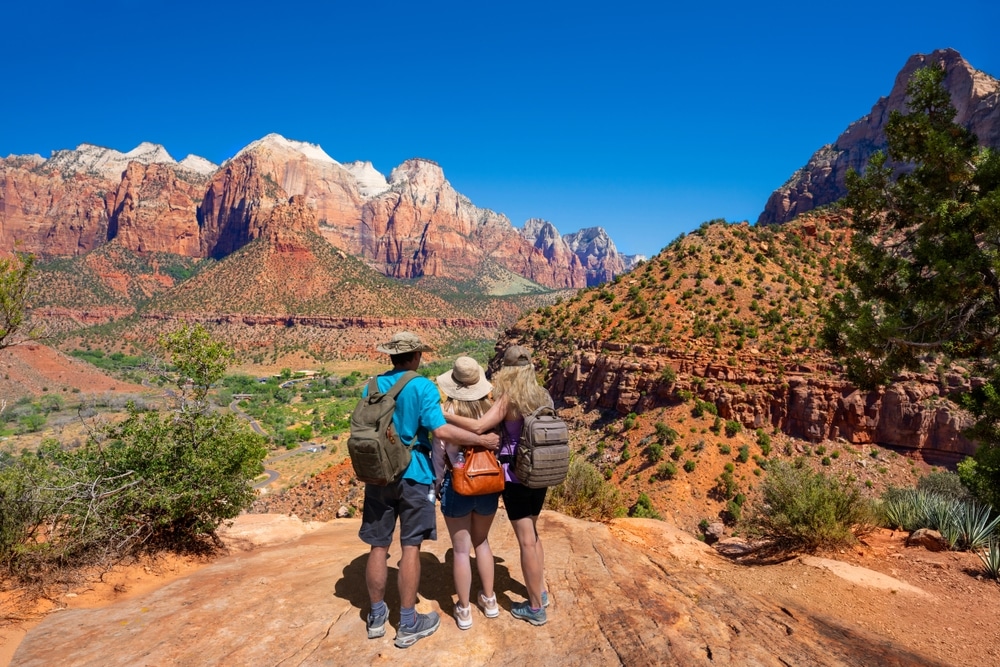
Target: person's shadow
[{"x": 436, "y": 583}]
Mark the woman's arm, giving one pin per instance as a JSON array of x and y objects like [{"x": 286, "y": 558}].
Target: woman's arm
[{"x": 483, "y": 424}]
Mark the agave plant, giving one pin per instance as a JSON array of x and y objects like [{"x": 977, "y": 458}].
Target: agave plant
[
  {"x": 991, "y": 558},
  {"x": 975, "y": 524}
]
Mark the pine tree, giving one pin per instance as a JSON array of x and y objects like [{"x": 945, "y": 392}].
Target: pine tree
[{"x": 925, "y": 268}]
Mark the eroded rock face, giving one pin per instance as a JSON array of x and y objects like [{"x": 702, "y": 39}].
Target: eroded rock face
[
  {"x": 155, "y": 210},
  {"x": 51, "y": 213},
  {"x": 975, "y": 95},
  {"x": 913, "y": 413},
  {"x": 422, "y": 227}
]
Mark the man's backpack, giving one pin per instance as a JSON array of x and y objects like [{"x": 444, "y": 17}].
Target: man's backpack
[
  {"x": 543, "y": 453},
  {"x": 378, "y": 454}
]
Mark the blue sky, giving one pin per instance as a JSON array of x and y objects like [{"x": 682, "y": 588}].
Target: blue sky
[{"x": 641, "y": 117}]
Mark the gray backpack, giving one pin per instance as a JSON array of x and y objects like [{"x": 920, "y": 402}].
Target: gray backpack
[
  {"x": 378, "y": 454},
  {"x": 543, "y": 453}
]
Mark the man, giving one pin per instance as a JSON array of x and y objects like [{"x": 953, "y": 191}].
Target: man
[{"x": 417, "y": 416}]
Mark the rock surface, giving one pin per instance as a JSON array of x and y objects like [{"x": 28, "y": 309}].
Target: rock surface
[
  {"x": 975, "y": 95},
  {"x": 636, "y": 592}
]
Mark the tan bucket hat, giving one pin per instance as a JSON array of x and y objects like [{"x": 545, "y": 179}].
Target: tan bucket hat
[
  {"x": 466, "y": 381},
  {"x": 403, "y": 342},
  {"x": 517, "y": 355}
]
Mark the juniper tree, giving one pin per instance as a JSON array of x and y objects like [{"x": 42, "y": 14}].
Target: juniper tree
[{"x": 925, "y": 265}]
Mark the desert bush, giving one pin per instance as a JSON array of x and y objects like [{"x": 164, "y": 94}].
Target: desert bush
[
  {"x": 733, "y": 427},
  {"x": 666, "y": 470},
  {"x": 152, "y": 481},
  {"x": 664, "y": 434},
  {"x": 945, "y": 484},
  {"x": 643, "y": 508},
  {"x": 584, "y": 493},
  {"x": 805, "y": 510}
]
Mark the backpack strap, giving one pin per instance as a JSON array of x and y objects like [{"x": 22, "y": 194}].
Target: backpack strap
[
  {"x": 393, "y": 392},
  {"x": 400, "y": 383}
]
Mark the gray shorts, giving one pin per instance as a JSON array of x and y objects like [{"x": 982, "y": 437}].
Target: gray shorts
[{"x": 405, "y": 499}]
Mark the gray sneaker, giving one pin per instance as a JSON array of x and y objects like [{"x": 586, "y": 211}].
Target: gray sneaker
[
  {"x": 425, "y": 626},
  {"x": 545, "y": 598},
  {"x": 523, "y": 611},
  {"x": 376, "y": 624}
]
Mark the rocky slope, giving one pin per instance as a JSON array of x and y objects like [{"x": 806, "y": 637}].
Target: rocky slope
[
  {"x": 729, "y": 315},
  {"x": 975, "y": 95}
]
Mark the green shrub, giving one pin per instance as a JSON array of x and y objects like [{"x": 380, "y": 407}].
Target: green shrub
[
  {"x": 666, "y": 470},
  {"x": 725, "y": 449},
  {"x": 668, "y": 375},
  {"x": 655, "y": 451},
  {"x": 733, "y": 427},
  {"x": 677, "y": 453},
  {"x": 764, "y": 440},
  {"x": 665, "y": 434},
  {"x": 945, "y": 484},
  {"x": 584, "y": 493},
  {"x": 744, "y": 454},
  {"x": 643, "y": 508},
  {"x": 804, "y": 510},
  {"x": 689, "y": 465}
]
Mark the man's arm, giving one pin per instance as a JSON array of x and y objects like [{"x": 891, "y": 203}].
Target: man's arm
[
  {"x": 487, "y": 422},
  {"x": 463, "y": 438}
]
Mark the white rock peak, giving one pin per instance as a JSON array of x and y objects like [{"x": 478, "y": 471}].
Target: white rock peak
[
  {"x": 274, "y": 140},
  {"x": 199, "y": 165},
  {"x": 371, "y": 182},
  {"x": 107, "y": 161}
]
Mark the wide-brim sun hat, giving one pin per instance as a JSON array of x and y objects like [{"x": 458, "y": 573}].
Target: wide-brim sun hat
[
  {"x": 403, "y": 342},
  {"x": 516, "y": 355},
  {"x": 466, "y": 381}
]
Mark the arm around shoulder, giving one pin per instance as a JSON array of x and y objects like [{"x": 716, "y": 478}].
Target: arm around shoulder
[{"x": 487, "y": 422}]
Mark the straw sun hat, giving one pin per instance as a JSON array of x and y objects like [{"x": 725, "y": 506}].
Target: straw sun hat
[{"x": 466, "y": 381}]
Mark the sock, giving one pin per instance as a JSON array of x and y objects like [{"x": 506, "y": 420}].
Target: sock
[
  {"x": 408, "y": 616},
  {"x": 379, "y": 608},
  {"x": 533, "y": 609}
]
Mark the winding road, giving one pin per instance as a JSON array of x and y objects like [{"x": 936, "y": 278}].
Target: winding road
[{"x": 272, "y": 475}]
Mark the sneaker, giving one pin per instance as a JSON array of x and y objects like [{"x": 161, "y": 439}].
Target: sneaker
[
  {"x": 376, "y": 624},
  {"x": 425, "y": 626},
  {"x": 463, "y": 616},
  {"x": 523, "y": 611},
  {"x": 489, "y": 605},
  {"x": 545, "y": 599}
]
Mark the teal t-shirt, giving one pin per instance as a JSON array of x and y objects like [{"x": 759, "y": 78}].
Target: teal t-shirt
[{"x": 418, "y": 412}]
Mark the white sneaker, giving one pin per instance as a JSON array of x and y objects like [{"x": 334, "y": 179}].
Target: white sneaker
[
  {"x": 463, "y": 616},
  {"x": 489, "y": 605}
]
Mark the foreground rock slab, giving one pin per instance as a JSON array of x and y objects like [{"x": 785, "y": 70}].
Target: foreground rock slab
[{"x": 637, "y": 592}]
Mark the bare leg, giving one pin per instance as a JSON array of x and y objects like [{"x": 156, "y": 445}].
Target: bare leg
[
  {"x": 461, "y": 542},
  {"x": 532, "y": 565},
  {"x": 409, "y": 577},
  {"x": 480, "y": 532},
  {"x": 376, "y": 573}
]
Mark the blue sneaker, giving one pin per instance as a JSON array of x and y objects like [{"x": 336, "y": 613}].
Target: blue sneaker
[
  {"x": 523, "y": 611},
  {"x": 376, "y": 624},
  {"x": 425, "y": 626},
  {"x": 545, "y": 599}
]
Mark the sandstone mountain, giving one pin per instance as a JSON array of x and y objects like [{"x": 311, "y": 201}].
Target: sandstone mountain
[
  {"x": 729, "y": 315},
  {"x": 411, "y": 225},
  {"x": 975, "y": 95}
]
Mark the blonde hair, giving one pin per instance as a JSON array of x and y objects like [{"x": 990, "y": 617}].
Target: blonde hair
[
  {"x": 471, "y": 409},
  {"x": 520, "y": 387}
]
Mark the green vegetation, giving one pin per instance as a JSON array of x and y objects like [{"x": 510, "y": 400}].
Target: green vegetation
[
  {"x": 923, "y": 268},
  {"x": 584, "y": 493},
  {"x": 152, "y": 481},
  {"x": 643, "y": 508},
  {"x": 805, "y": 510},
  {"x": 15, "y": 278}
]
